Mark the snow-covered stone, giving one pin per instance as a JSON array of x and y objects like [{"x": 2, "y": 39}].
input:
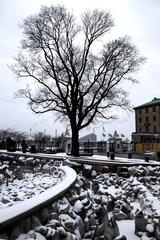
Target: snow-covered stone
[
  {"x": 79, "y": 209},
  {"x": 67, "y": 222}
]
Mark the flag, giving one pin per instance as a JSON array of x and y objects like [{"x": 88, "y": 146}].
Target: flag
[
  {"x": 103, "y": 133},
  {"x": 122, "y": 135}
]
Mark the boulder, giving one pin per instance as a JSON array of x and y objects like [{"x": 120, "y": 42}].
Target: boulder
[
  {"x": 95, "y": 186},
  {"x": 19, "y": 173},
  {"x": 67, "y": 222},
  {"x": 140, "y": 223},
  {"x": 111, "y": 229},
  {"x": 86, "y": 224},
  {"x": 62, "y": 232},
  {"x": 92, "y": 220},
  {"x": 44, "y": 216},
  {"x": 119, "y": 215},
  {"x": 35, "y": 222},
  {"x": 79, "y": 209},
  {"x": 87, "y": 170},
  {"x": 54, "y": 215},
  {"x": 157, "y": 231},
  {"x": 150, "y": 230},
  {"x": 47, "y": 232},
  {"x": 64, "y": 208},
  {"x": 80, "y": 225},
  {"x": 100, "y": 230},
  {"x": 34, "y": 236},
  {"x": 72, "y": 214},
  {"x": 26, "y": 225},
  {"x": 15, "y": 232},
  {"x": 55, "y": 207}
]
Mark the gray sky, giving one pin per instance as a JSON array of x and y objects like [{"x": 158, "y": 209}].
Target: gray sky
[{"x": 137, "y": 18}]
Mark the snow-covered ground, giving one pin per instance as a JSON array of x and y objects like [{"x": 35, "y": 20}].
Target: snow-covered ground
[
  {"x": 140, "y": 191},
  {"x": 123, "y": 160},
  {"x": 129, "y": 194}
]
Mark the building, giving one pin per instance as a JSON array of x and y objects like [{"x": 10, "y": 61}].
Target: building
[
  {"x": 91, "y": 137},
  {"x": 67, "y": 139},
  {"x": 147, "y": 127},
  {"x": 117, "y": 144},
  {"x": 88, "y": 142}
]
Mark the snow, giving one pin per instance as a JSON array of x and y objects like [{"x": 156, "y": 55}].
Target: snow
[
  {"x": 22, "y": 207},
  {"x": 126, "y": 226},
  {"x": 150, "y": 227},
  {"x": 30, "y": 185},
  {"x": 77, "y": 206},
  {"x": 87, "y": 167},
  {"x": 122, "y": 160}
]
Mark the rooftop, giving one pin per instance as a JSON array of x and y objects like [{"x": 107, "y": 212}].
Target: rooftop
[{"x": 155, "y": 101}]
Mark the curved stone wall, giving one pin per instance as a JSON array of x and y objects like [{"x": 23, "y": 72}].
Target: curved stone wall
[{"x": 10, "y": 215}]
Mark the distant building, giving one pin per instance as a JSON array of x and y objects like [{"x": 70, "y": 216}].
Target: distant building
[
  {"x": 116, "y": 143},
  {"x": 90, "y": 137},
  {"x": 67, "y": 141},
  {"x": 88, "y": 143},
  {"x": 147, "y": 127}
]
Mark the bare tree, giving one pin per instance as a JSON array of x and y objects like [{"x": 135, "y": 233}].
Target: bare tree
[
  {"x": 41, "y": 139},
  {"x": 71, "y": 79},
  {"x": 16, "y": 135}
]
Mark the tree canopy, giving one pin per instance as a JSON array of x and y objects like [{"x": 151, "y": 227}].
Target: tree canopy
[{"x": 71, "y": 78}]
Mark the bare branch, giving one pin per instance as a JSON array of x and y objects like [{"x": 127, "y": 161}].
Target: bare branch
[{"x": 69, "y": 79}]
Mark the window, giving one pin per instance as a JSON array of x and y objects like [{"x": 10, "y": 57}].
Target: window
[
  {"x": 154, "y": 109},
  {"x": 154, "y": 129},
  {"x": 146, "y": 110},
  {"x": 140, "y": 129},
  {"x": 147, "y": 119},
  {"x": 140, "y": 111},
  {"x": 147, "y": 128},
  {"x": 154, "y": 118},
  {"x": 140, "y": 120}
]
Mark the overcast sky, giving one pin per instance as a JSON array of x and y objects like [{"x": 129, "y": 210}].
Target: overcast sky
[{"x": 137, "y": 18}]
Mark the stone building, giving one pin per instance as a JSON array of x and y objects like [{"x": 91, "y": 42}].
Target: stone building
[{"x": 147, "y": 127}]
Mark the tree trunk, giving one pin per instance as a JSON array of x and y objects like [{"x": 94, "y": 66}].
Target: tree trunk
[{"x": 75, "y": 142}]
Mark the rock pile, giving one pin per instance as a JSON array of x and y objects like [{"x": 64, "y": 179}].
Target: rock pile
[
  {"x": 97, "y": 202},
  {"x": 78, "y": 215}
]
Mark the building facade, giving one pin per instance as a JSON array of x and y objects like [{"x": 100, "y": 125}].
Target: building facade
[{"x": 147, "y": 127}]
